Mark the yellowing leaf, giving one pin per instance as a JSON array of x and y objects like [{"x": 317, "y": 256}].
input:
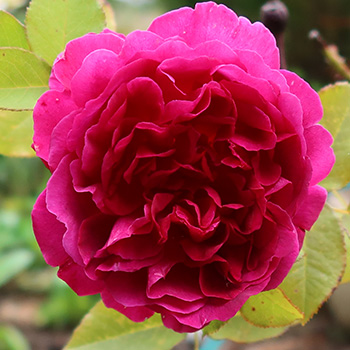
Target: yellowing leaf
[
  {"x": 52, "y": 23},
  {"x": 23, "y": 78},
  {"x": 104, "y": 328},
  {"x": 270, "y": 309},
  {"x": 111, "y": 22}
]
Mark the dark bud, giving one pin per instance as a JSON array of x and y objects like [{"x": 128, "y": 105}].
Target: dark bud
[{"x": 274, "y": 14}]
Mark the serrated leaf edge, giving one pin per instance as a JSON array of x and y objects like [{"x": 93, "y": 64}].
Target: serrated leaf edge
[{"x": 293, "y": 323}]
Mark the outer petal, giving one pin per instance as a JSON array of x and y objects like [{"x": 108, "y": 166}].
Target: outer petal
[
  {"x": 311, "y": 207},
  {"x": 48, "y": 232},
  {"x": 93, "y": 76},
  {"x": 70, "y": 207},
  {"x": 76, "y": 50},
  {"x": 49, "y": 110},
  {"x": 218, "y": 310},
  {"x": 309, "y": 99},
  {"x": 75, "y": 276},
  {"x": 210, "y": 21},
  {"x": 136, "y": 314},
  {"x": 319, "y": 141}
]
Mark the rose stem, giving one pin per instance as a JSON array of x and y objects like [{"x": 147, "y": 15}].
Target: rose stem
[
  {"x": 274, "y": 14},
  {"x": 196, "y": 341}
]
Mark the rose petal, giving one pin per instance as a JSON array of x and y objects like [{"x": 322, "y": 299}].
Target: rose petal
[
  {"x": 48, "y": 111},
  {"x": 136, "y": 314},
  {"x": 94, "y": 75},
  {"x": 309, "y": 99},
  {"x": 311, "y": 207},
  {"x": 75, "y": 276},
  {"x": 76, "y": 50},
  {"x": 48, "y": 232},
  {"x": 70, "y": 207},
  {"x": 205, "y": 23},
  {"x": 321, "y": 155}
]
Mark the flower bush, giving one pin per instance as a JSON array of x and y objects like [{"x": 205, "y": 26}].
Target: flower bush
[{"x": 184, "y": 166}]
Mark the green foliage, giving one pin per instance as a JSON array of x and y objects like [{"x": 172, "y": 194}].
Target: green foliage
[
  {"x": 319, "y": 270},
  {"x": 16, "y": 142},
  {"x": 23, "y": 78},
  {"x": 12, "y": 32},
  {"x": 105, "y": 328},
  {"x": 52, "y": 23},
  {"x": 213, "y": 327},
  {"x": 24, "y": 53},
  {"x": 270, "y": 309},
  {"x": 336, "y": 104},
  {"x": 346, "y": 276},
  {"x": 240, "y": 331}
]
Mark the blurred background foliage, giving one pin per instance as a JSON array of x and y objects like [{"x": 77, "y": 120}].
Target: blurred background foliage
[{"x": 22, "y": 267}]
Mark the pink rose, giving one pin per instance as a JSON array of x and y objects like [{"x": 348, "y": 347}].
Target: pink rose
[{"x": 184, "y": 166}]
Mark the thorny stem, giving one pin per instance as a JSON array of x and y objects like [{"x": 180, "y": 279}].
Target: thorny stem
[{"x": 331, "y": 53}]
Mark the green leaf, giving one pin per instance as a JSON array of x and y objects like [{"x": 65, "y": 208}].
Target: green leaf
[
  {"x": 346, "y": 276},
  {"x": 52, "y": 23},
  {"x": 270, "y": 309},
  {"x": 14, "y": 262},
  {"x": 12, "y": 32},
  {"x": 213, "y": 327},
  {"x": 104, "y": 328},
  {"x": 16, "y": 136},
  {"x": 240, "y": 331},
  {"x": 314, "y": 276},
  {"x": 339, "y": 202},
  {"x": 23, "y": 78},
  {"x": 336, "y": 104}
]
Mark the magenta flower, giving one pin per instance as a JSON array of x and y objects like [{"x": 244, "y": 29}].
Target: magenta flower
[{"x": 184, "y": 166}]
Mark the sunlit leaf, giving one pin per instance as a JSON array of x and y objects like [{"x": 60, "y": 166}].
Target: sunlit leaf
[
  {"x": 23, "y": 78},
  {"x": 336, "y": 104},
  {"x": 313, "y": 277},
  {"x": 12, "y": 33},
  {"x": 104, "y": 328},
  {"x": 17, "y": 132},
  {"x": 52, "y": 23},
  {"x": 240, "y": 331},
  {"x": 270, "y": 309}
]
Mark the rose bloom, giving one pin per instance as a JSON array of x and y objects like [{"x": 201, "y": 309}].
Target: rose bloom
[{"x": 184, "y": 166}]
